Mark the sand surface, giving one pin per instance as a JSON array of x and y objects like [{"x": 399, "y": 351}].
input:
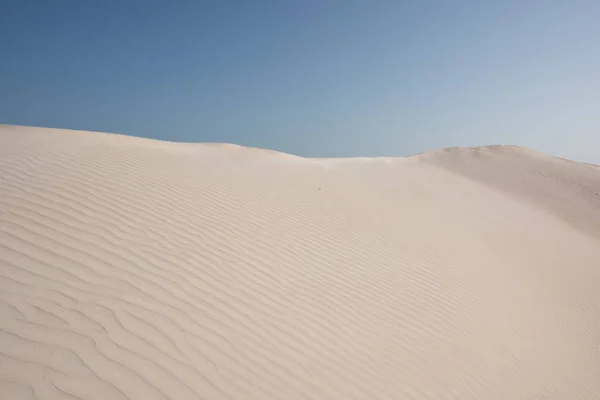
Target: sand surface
[{"x": 139, "y": 269}]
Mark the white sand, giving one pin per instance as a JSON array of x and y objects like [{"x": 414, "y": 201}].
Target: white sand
[{"x": 138, "y": 269}]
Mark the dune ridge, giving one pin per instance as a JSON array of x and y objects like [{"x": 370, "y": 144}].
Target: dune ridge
[{"x": 138, "y": 269}]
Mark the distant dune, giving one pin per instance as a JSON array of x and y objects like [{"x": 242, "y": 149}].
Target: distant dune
[{"x": 139, "y": 269}]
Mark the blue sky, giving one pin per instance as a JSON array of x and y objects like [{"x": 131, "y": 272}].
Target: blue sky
[{"x": 314, "y": 78}]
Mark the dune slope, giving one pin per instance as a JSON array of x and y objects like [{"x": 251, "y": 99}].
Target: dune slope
[{"x": 139, "y": 269}]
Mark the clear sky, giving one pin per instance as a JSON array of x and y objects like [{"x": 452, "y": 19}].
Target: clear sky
[{"x": 313, "y": 78}]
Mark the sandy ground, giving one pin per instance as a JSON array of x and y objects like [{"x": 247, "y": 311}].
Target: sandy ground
[{"x": 139, "y": 269}]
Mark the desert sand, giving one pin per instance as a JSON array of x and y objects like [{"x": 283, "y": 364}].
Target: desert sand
[{"x": 139, "y": 269}]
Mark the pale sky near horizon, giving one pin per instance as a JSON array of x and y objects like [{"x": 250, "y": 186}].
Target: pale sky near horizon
[{"x": 313, "y": 78}]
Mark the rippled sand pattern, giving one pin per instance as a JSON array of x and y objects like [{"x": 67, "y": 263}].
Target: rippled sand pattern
[{"x": 139, "y": 269}]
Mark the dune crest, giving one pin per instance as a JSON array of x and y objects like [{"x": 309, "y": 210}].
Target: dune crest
[{"x": 140, "y": 269}]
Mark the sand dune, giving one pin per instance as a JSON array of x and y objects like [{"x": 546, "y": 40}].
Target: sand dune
[{"x": 139, "y": 269}]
